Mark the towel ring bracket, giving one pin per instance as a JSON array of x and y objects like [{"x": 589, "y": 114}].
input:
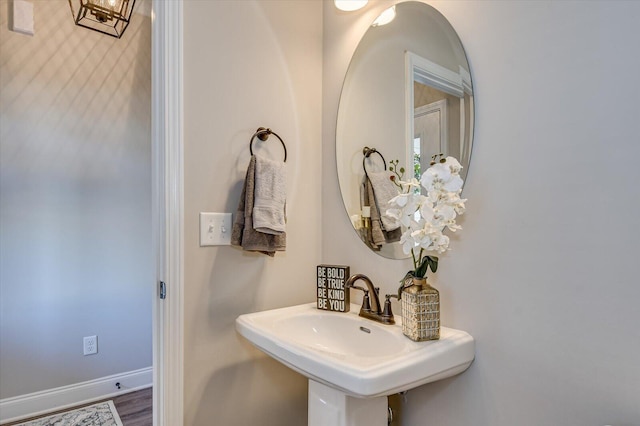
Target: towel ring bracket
[
  {"x": 366, "y": 151},
  {"x": 263, "y": 134}
]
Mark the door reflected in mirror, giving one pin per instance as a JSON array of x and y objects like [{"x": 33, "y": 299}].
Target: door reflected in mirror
[
  {"x": 442, "y": 106},
  {"x": 408, "y": 95}
]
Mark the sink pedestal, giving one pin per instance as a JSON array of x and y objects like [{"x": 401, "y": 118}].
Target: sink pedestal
[{"x": 331, "y": 407}]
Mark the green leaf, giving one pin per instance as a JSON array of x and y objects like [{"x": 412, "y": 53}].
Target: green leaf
[
  {"x": 421, "y": 270},
  {"x": 433, "y": 263},
  {"x": 403, "y": 283}
]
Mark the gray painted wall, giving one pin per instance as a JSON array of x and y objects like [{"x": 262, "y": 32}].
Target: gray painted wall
[
  {"x": 75, "y": 200},
  {"x": 544, "y": 274}
]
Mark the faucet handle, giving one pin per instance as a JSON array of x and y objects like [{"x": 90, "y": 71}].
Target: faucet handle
[{"x": 386, "y": 313}]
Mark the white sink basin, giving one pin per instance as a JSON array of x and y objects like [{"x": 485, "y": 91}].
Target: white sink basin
[{"x": 352, "y": 354}]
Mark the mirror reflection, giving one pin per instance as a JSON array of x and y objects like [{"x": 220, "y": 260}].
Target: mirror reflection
[{"x": 407, "y": 96}]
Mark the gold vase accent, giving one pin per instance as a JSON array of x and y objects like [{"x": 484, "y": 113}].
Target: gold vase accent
[{"x": 420, "y": 311}]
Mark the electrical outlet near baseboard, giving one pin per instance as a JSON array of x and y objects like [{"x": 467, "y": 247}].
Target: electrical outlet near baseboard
[{"x": 90, "y": 345}]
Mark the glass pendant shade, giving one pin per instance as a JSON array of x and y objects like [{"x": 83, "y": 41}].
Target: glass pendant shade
[{"x": 106, "y": 16}]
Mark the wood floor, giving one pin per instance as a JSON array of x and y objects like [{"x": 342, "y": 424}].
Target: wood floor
[{"x": 135, "y": 408}]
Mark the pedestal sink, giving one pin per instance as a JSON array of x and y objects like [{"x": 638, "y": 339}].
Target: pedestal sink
[{"x": 353, "y": 363}]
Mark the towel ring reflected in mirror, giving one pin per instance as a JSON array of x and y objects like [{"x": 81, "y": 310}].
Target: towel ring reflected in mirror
[
  {"x": 263, "y": 134},
  {"x": 366, "y": 151}
]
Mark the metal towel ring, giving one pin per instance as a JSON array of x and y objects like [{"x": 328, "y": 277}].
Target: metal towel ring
[
  {"x": 366, "y": 151},
  {"x": 263, "y": 134}
]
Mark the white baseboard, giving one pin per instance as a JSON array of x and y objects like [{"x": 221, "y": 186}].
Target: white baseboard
[{"x": 38, "y": 403}]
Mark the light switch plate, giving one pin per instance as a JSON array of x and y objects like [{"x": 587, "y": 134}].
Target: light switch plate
[
  {"x": 215, "y": 229},
  {"x": 22, "y": 17}
]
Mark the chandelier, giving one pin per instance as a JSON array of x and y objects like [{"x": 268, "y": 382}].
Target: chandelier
[{"x": 106, "y": 16}]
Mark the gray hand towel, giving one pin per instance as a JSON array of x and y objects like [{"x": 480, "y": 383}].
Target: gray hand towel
[
  {"x": 270, "y": 196},
  {"x": 377, "y": 230},
  {"x": 384, "y": 190},
  {"x": 377, "y": 235},
  {"x": 243, "y": 234}
]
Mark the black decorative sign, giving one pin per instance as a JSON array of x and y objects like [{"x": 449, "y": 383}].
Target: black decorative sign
[{"x": 332, "y": 294}]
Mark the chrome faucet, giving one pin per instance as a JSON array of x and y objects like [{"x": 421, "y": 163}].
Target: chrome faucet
[{"x": 378, "y": 314}]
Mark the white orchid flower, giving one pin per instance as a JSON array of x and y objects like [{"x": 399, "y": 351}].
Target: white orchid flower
[
  {"x": 407, "y": 221},
  {"x": 406, "y": 200},
  {"x": 453, "y": 164},
  {"x": 453, "y": 227},
  {"x": 453, "y": 199},
  {"x": 422, "y": 238},
  {"x": 445, "y": 212},
  {"x": 435, "y": 177},
  {"x": 395, "y": 215},
  {"x": 408, "y": 243},
  {"x": 411, "y": 183},
  {"x": 424, "y": 218},
  {"x": 453, "y": 184},
  {"x": 427, "y": 212},
  {"x": 442, "y": 244},
  {"x": 439, "y": 177},
  {"x": 399, "y": 200}
]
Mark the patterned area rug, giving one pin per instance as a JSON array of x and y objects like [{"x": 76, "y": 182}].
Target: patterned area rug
[{"x": 101, "y": 414}]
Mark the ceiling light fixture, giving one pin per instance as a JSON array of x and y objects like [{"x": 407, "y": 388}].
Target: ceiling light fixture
[
  {"x": 350, "y": 5},
  {"x": 105, "y": 16},
  {"x": 385, "y": 17}
]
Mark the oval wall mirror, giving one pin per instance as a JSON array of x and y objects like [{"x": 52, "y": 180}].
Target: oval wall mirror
[{"x": 407, "y": 96}]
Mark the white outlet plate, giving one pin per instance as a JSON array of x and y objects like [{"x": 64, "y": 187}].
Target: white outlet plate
[
  {"x": 215, "y": 229},
  {"x": 90, "y": 344}
]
